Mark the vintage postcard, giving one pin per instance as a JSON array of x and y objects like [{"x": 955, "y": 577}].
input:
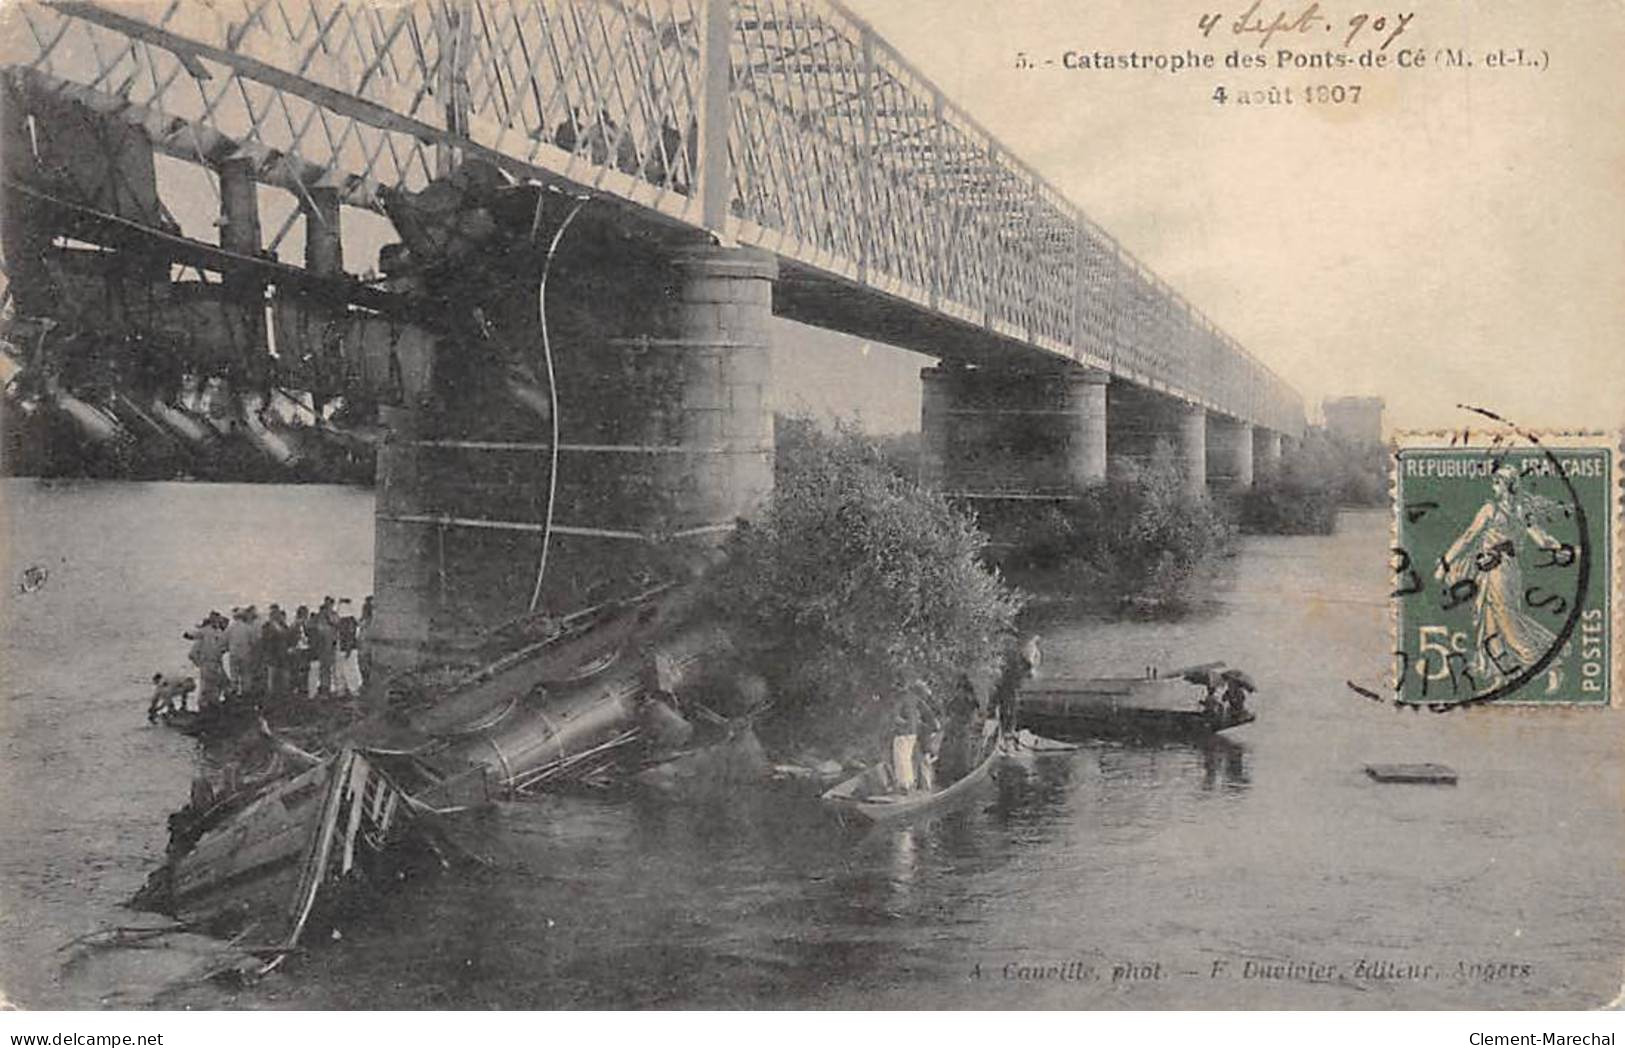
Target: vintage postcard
[{"x": 811, "y": 504}]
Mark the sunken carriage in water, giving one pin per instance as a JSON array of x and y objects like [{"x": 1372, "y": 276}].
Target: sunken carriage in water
[{"x": 612, "y": 694}]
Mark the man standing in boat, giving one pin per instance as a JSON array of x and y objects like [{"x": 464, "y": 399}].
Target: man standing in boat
[
  {"x": 961, "y": 735},
  {"x": 913, "y": 712},
  {"x": 1021, "y": 662}
]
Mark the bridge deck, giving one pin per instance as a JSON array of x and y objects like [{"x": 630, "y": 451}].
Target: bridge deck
[{"x": 787, "y": 125}]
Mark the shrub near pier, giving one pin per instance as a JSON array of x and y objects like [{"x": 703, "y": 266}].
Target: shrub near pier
[
  {"x": 1319, "y": 475},
  {"x": 1139, "y": 542},
  {"x": 853, "y": 580}
]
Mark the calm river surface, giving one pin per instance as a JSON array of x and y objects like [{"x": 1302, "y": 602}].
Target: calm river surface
[{"x": 1258, "y": 872}]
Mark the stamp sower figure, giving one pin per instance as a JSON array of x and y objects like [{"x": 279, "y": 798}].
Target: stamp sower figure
[{"x": 1485, "y": 558}]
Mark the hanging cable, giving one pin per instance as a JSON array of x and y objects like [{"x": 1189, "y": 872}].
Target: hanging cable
[{"x": 552, "y": 395}]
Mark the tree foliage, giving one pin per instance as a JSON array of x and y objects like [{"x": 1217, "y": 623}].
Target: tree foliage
[
  {"x": 1319, "y": 474},
  {"x": 855, "y": 579},
  {"x": 1140, "y": 540}
]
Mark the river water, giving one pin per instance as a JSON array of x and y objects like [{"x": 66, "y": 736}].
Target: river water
[{"x": 1263, "y": 871}]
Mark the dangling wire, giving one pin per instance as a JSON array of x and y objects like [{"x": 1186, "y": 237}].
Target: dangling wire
[{"x": 552, "y": 395}]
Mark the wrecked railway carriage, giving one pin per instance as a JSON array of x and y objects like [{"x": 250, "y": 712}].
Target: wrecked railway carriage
[{"x": 616, "y": 694}]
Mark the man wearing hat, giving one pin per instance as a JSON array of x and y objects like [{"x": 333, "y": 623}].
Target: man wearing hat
[
  {"x": 323, "y": 632},
  {"x": 913, "y": 713},
  {"x": 208, "y": 648},
  {"x": 275, "y": 653},
  {"x": 240, "y": 644}
]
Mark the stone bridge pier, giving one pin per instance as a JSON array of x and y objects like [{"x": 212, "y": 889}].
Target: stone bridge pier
[
  {"x": 1003, "y": 433},
  {"x": 994, "y": 431},
  {"x": 665, "y": 440},
  {"x": 1140, "y": 420},
  {"x": 1266, "y": 454},
  {"x": 1229, "y": 453}
]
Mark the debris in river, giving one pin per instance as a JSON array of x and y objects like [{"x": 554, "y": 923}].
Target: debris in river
[
  {"x": 33, "y": 579},
  {"x": 1436, "y": 774}
]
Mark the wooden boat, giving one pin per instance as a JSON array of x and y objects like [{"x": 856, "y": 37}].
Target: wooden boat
[
  {"x": 1132, "y": 708},
  {"x": 851, "y": 800}
]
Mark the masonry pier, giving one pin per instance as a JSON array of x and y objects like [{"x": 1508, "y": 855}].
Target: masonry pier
[
  {"x": 1012, "y": 433},
  {"x": 1266, "y": 454},
  {"x": 1229, "y": 453},
  {"x": 1008, "y": 433},
  {"x": 665, "y": 440}
]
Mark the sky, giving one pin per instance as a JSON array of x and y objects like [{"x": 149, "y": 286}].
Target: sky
[{"x": 1459, "y": 236}]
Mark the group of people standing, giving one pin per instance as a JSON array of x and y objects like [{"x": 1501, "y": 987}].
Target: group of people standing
[
  {"x": 932, "y": 741},
  {"x": 252, "y": 660}
]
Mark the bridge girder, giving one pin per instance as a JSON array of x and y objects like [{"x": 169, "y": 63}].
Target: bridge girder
[{"x": 837, "y": 155}]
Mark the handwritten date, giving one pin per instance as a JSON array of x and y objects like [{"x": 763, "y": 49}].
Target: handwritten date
[{"x": 1265, "y": 23}]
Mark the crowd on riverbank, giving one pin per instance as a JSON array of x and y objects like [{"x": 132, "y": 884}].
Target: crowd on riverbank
[{"x": 270, "y": 661}]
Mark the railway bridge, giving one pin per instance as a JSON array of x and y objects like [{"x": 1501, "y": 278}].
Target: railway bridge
[{"x": 599, "y": 205}]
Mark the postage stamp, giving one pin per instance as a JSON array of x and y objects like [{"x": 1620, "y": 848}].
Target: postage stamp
[{"x": 1503, "y": 568}]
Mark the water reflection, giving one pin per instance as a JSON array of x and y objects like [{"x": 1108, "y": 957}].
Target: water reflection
[
  {"x": 903, "y": 859},
  {"x": 1033, "y": 788},
  {"x": 1224, "y": 763}
]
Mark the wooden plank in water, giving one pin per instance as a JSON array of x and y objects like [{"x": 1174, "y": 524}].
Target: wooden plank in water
[{"x": 1438, "y": 774}]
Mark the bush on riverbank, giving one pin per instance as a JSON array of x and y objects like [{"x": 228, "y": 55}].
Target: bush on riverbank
[
  {"x": 853, "y": 580},
  {"x": 1289, "y": 507},
  {"x": 1138, "y": 542},
  {"x": 1317, "y": 476}
]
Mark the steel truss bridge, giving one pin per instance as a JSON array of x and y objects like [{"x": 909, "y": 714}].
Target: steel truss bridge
[{"x": 787, "y": 125}]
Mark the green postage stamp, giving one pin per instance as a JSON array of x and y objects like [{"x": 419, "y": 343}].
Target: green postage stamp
[{"x": 1503, "y": 569}]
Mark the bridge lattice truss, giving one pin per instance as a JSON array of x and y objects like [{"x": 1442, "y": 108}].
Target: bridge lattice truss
[{"x": 784, "y": 124}]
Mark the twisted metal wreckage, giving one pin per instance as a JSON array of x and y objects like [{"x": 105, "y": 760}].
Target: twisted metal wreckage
[{"x": 259, "y": 860}]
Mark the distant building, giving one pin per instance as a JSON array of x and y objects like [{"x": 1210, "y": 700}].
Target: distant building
[{"x": 1357, "y": 420}]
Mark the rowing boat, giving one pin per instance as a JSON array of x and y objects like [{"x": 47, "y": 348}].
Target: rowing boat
[{"x": 848, "y": 801}]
